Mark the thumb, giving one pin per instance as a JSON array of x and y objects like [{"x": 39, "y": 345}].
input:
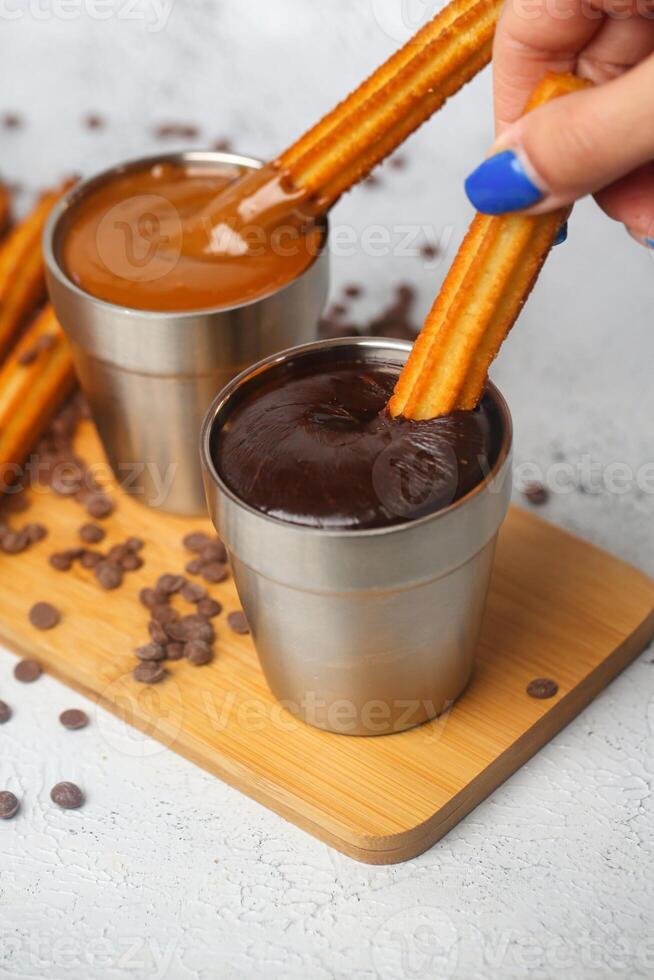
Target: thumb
[{"x": 570, "y": 147}]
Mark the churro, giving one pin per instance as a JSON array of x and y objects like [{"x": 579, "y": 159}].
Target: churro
[
  {"x": 22, "y": 276},
  {"x": 481, "y": 297},
  {"x": 34, "y": 379}
]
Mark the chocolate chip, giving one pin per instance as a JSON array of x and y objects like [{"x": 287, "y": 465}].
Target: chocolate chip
[
  {"x": 149, "y": 672},
  {"x": 238, "y": 622},
  {"x": 197, "y": 652},
  {"x": 12, "y": 120},
  {"x": 61, "y": 561},
  {"x": 43, "y": 616},
  {"x": 196, "y": 541},
  {"x": 67, "y": 795},
  {"x": 35, "y": 532},
  {"x": 117, "y": 552},
  {"x": 174, "y": 651},
  {"x": 109, "y": 576},
  {"x": 93, "y": 121},
  {"x": 353, "y": 290},
  {"x": 5, "y": 712},
  {"x": 131, "y": 562},
  {"x": 214, "y": 572},
  {"x": 8, "y": 805},
  {"x": 214, "y": 551},
  {"x": 194, "y": 567},
  {"x": 372, "y": 180},
  {"x": 536, "y": 493},
  {"x": 74, "y": 718},
  {"x": 222, "y": 146},
  {"x": 209, "y": 608},
  {"x": 193, "y": 592},
  {"x": 99, "y": 505},
  {"x": 196, "y": 627},
  {"x": 542, "y": 688},
  {"x": 90, "y": 559},
  {"x": 169, "y": 584},
  {"x": 92, "y": 533},
  {"x": 13, "y": 542},
  {"x": 164, "y": 614},
  {"x": 135, "y": 544},
  {"x": 149, "y": 598},
  {"x": 429, "y": 251},
  {"x": 157, "y": 632},
  {"x": 151, "y": 652},
  {"x": 27, "y": 671},
  {"x": 398, "y": 162}
]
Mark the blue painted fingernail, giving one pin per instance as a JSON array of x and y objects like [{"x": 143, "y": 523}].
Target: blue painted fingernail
[
  {"x": 501, "y": 184},
  {"x": 649, "y": 242},
  {"x": 562, "y": 234}
]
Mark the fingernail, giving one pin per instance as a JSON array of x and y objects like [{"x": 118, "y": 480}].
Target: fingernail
[
  {"x": 501, "y": 184},
  {"x": 562, "y": 234}
]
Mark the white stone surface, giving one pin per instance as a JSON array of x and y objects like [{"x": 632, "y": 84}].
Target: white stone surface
[{"x": 168, "y": 873}]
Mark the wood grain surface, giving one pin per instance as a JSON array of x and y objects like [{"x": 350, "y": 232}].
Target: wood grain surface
[{"x": 558, "y": 608}]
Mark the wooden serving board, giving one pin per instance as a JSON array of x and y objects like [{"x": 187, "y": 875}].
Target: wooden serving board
[{"x": 558, "y": 608}]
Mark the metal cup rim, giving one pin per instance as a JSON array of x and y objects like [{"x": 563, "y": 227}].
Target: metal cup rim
[
  {"x": 81, "y": 189},
  {"x": 302, "y": 350}
]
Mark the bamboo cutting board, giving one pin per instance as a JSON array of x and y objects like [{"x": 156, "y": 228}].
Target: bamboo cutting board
[{"x": 558, "y": 608}]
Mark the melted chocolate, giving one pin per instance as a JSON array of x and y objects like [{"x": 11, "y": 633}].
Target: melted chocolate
[{"x": 319, "y": 449}]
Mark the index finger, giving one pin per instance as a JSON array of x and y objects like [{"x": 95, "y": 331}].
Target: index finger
[{"x": 535, "y": 36}]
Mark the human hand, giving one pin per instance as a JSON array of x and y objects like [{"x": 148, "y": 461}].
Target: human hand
[{"x": 597, "y": 141}]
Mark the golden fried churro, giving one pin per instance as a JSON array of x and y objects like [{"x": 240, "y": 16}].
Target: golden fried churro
[
  {"x": 22, "y": 279},
  {"x": 483, "y": 293},
  {"x": 415, "y": 82},
  {"x": 34, "y": 379}
]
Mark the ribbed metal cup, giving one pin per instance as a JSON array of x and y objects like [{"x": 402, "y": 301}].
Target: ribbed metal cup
[
  {"x": 149, "y": 377},
  {"x": 361, "y": 632}
]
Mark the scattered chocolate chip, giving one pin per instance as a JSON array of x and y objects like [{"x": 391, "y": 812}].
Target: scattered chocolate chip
[
  {"x": 194, "y": 567},
  {"x": 371, "y": 181},
  {"x": 169, "y": 584},
  {"x": 214, "y": 571},
  {"x": 164, "y": 614},
  {"x": 35, "y": 532},
  {"x": 542, "y": 687},
  {"x": 74, "y": 718},
  {"x": 149, "y": 672},
  {"x": 353, "y": 290},
  {"x": 12, "y": 120},
  {"x": 198, "y": 652},
  {"x": 149, "y": 598},
  {"x": 44, "y": 616},
  {"x": 131, "y": 562},
  {"x": 116, "y": 553},
  {"x": 174, "y": 651},
  {"x": 109, "y": 576},
  {"x": 157, "y": 632},
  {"x": 151, "y": 651},
  {"x": 5, "y": 712},
  {"x": 90, "y": 559},
  {"x": 398, "y": 162},
  {"x": 193, "y": 592},
  {"x": 135, "y": 544},
  {"x": 27, "y": 671},
  {"x": 13, "y": 542},
  {"x": 429, "y": 251},
  {"x": 92, "y": 533},
  {"x": 8, "y": 805},
  {"x": 536, "y": 493},
  {"x": 93, "y": 121},
  {"x": 99, "y": 505},
  {"x": 222, "y": 146},
  {"x": 196, "y": 541},
  {"x": 67, "y": 795},
  {"x": 214, "y": 551},
  {"x": 238, "y": 622},
  {"x": 209, "y": 608},
  {"x": 61, "y": 561}
]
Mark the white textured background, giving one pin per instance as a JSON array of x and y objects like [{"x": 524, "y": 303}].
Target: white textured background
[{"x": 167, "y": 872}]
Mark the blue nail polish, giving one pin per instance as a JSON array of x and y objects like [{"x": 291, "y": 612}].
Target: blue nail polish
[
  {"x": 501, "y": 184},
  {"x": 562, "y": 234},
  {"x": 649, "y": 242}
]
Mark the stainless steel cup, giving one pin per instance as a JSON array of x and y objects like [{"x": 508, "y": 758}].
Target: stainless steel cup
[
  {"x": 149, "y": 377},
  {"x": 361, "y": 632}
]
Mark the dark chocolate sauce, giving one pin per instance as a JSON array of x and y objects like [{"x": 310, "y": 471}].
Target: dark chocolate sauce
[{"x": 319, "y": 449}]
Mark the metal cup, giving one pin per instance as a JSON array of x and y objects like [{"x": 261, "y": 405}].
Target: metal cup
[
  {"x": 149, "y": 377},
  {"x": 361, "y": 632}
]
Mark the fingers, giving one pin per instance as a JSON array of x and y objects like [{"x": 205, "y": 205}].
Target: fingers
[
  {"x": 631, "y": 201},
  {"x": 574, "y": 146}
]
